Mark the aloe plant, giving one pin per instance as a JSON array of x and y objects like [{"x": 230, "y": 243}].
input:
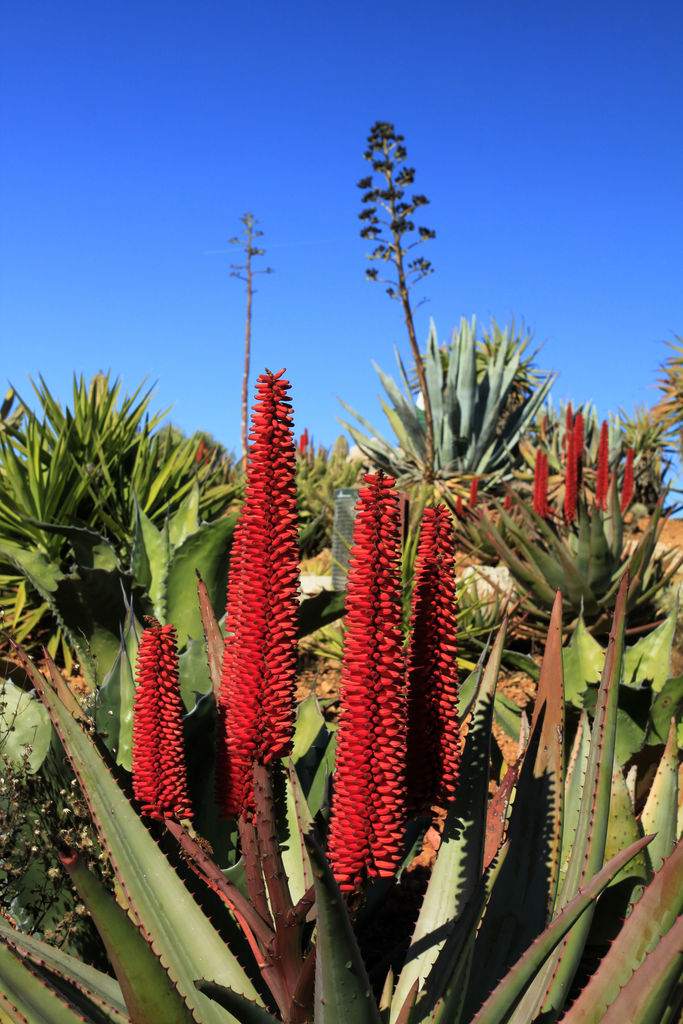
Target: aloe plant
[
  {"x": 471, "y": 438},
  {"x": 509, "y": 911},
  {"x": 584, "y": 558},
  {"x": 463, "y": 963}
]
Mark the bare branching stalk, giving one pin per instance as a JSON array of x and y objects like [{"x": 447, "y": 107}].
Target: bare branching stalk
[
  {"x": 386, "y": 152},
  {"x": 250, "y": 250}
]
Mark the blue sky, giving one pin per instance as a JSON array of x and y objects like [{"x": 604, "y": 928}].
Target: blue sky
[{"x": 548, "y": 137}]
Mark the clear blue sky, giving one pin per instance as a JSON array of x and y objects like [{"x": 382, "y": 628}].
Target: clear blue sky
[{"x": 548, "y": 137}]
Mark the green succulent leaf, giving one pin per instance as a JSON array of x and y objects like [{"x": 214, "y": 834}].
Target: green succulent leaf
[
  {"x": 342, "y": 987},
  {"x": 507, "y": 995},
  {"x": 660, "y": 812},
  {"x": 24, "y": 726},
  {"x": 92, "y": 985},
  {"x": 154, "y": 895},
  {"x": 459, "y": 863},
  {"x": 653, "y": 918},
  {"x": 147, "y": 989}
]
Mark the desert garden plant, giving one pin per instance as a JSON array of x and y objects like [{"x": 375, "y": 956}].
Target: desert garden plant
[
  {"x": 509, "y": 910},
  {"x": 472, "y": 438},
  {"x": 387, "y": 220},
  {"x": 91, "y": 466}
]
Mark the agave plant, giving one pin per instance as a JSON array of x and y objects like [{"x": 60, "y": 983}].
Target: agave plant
[
  {"x": 319, "y": 473},
  {"x": 476, "y": 431},
  {"x": 509, "y": 913}
]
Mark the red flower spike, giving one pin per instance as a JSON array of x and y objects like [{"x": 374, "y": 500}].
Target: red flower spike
[
  {"x": 474, "y": 490},
  {"x": 507, "y": 504},
  {"x": 571, "y": 482},
  {"x": 369, "y": 802},
  {"x": 627, "y": 486},
  {"x": 303, "y": 442},
  {"x": 433, "y": 757},
  {"x": 256, "y": 712},
  {"x": 602, "y": 480},
  {"x": 159, "y": 777},
  {"x": 578, "y": 448},
  {"x": 541, "y": 507},
  {"x": 459, "y": 510}
]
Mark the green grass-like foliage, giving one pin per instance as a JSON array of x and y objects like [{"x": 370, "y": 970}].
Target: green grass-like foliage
[{"x": 91, "y": 465}]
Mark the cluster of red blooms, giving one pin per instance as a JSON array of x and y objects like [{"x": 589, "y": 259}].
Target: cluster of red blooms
[
  {"x": 159, "y": 779},
  {"x": 573, "y": 446},
  {"x": 368, "y": 808},
  {"x": 433, "y": 758},
  {"x": 398, "y": 739}
]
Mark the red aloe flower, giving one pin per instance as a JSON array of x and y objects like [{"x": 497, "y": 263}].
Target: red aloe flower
[
  {"x": 541, "y": 507},
  {"x": 507, "y": 504},
  {"x": 303, "y": 442},
  {"x": 474, "y": 491},
  {"x": 159, "y": 777},
  {"x": 433, "y": 756},
  {"x": 602, "y": 480},
  {"x": 459, "y": 510},
  {"x": 369, "y": 802},
  {"x": 627, "y": 486},
  {"x": 571, "y": 481},
  {"x": 256, "y": 712},
  {"x": 578, "y": 448}
]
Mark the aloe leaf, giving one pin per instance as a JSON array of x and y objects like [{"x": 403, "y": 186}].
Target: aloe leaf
[
  {"x": 661, "y": 807},
  {"x": 206, "y": 551},
  {"x": 114, "y": 713},
  {"x": 651, "y": 920},
  {"x": 194, "y": 673},
  {"x": 667, "y": 704},
  {"x": 242, "y": 1009},
  {"x": 320, "y": 610},
  {"x": 653, "y": 994},
  {"x": 150, "y": 555},
  {"x": 185, "y": 519},
  {"x": 145, "y": 984},
  {"x": 650, "y": 657},
  {"x": 523, "y": 896},
  {"x": 506, "y": 996},
  {"x": 582, "y": 659},
  {"x": 24, "y": 726},
  {"x": 212, "y": 636},
  {"x": 342, "y": 987},
  {"x": 299, "y": 822},
  {"x": 25, "y": 998},
  {"x": 459, "y": 862},
  {"x": 155, "y": 895},
  {"x": 588, "y": 850},
  {"x": 444, "y": 993},
  {"x": 90, "y": 984}
]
